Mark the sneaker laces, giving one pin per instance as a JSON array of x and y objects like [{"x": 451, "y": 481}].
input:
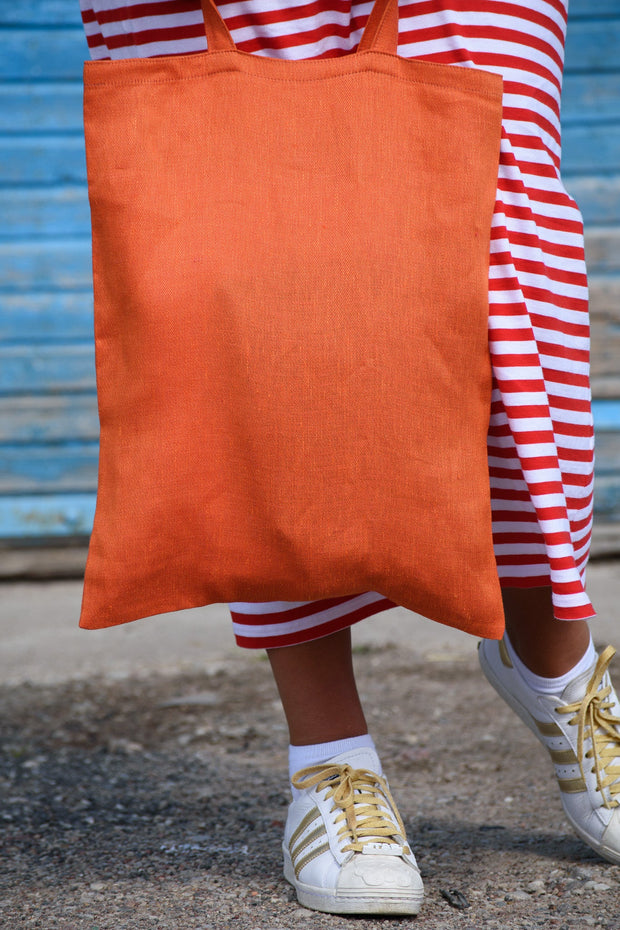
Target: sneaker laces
[
  {"x": 595, "y": 721},
  {"x": 368, "y": 813}
]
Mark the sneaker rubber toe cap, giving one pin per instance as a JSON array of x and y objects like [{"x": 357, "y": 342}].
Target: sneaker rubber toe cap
[{"x": 379, "y": 873}]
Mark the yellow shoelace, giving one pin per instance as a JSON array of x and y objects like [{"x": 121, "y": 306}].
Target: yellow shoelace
[
  {"x": 593, "y": 716},
  {"x": 364, "y": 799}
]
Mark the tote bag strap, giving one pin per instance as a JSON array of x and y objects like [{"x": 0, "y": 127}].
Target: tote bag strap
[{"x": 380, "y": 34}]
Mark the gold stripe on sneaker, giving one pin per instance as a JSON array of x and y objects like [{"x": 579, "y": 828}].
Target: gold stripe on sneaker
[
  {"x": 298, "y": 866},
  {"x": 310, "y": 817},
  {"x": 503, "y": 654},
  {"x": 547, "y": 728},
  {"x": 572, "y": 785},
  {"x": 320, "y": 831},
  {"x": 563, "y": 756}
]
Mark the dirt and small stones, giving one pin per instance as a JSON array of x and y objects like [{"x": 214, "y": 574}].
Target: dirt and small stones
[
  {"x": 517, "y": 896},
  {"x": 535, "y": 887},
  {"x": 197, "y": 699},
  {"x": 596, "y": 886},
  {"x": 159, "y": 803}
]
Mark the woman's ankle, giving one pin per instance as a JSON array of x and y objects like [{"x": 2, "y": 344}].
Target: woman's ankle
[
  {"x": 547, "y": 646},
  {"x": 317, "y": 687}
]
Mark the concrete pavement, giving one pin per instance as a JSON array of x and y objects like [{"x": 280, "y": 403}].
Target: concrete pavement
[{"x": 41, "y": 642}]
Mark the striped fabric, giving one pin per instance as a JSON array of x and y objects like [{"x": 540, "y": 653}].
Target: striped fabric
[{"x": 540, "y": 435}]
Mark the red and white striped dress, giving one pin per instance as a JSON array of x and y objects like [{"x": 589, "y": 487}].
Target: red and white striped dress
[{"x": 541, "y": 435}]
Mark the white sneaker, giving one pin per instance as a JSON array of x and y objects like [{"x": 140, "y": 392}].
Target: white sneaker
[
  {"x": 345, "y": 850},
  {"x": 581, "y": 730}
]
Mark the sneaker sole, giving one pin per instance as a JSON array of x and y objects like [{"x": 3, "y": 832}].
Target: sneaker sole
[
  {"x": 371, "y": 902},
  {"x": 604, "y": 851}
]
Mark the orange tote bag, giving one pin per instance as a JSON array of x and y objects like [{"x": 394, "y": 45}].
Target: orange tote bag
[{"x": 290, "y": 271}]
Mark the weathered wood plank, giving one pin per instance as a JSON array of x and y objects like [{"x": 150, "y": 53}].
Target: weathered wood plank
[
  {"x": 607, "y": 497},
  {"x": 32, "y": 422},
  {"x": 44, "y": 212},
  {"x": 590, "y": 98},
  {"x": 65, "y": 263},
  {"x": 589, "y": 9},
  {"x": 606, "y": 415},
  {"x": 60, "y": 159},
  {"x": 59, "y": 53},
  {"x": 605, "y": 352},
  {"x": 591, "y": 149},
  {"x": 57, "y": 515},
  {"x": 60, "y": 515},
  {"x": 607, "y": 469},
  {"x": 603, "y": 249},
  {"x": 66, "y": 12},
  {"x": 607, "y": 453},
  {"x": 593, "y": 46},
  {"x": 60, "y": 316},
  {"x": 64, "y": 211},
  {"x": 34, "y": 430},
  {"x": 50, "y": 515},
  {"x": 35, "y": 54},
  {"x": 605, "y": 296},
  {"x": 64, "y": 513},
  {"x": 605, "y": 385},
  {"x": 59, "y": 264},
  {"x": 48, "y": 469},
  {"x": 39, "y": 365},
  {"x": 586, "y": 98},
  {"x": 51, "y": 211},
  {"x": 54, "y": 418},
  {"x": 30, "y": 13},
  {"x": 598, "y": 198},
  {"x": 48, "y": 419},
  {"x": 42, "y": 160},
  {"x": 605, "y": 542},
  {"x": 42, "y": 559},
  {"x": 38, "y": 369},
  {"x": 41, "y": 107},
  {"x": 605, "y": 320}
]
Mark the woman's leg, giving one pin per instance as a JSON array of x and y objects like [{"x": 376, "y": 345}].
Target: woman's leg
[
  {"x": 340, "y": 801},
  {"x": 547, "y": 646},
  {"x": 318, "y": 690},
  {"x": 317, "y": 685},
  {"x": 562, "y": 690}
]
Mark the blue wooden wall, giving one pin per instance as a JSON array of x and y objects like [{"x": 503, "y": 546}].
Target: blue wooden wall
[
  {"x": 591, "y": 170},
  {"x": 48, "y": 421},
  {"x": 48, "y": 418}
]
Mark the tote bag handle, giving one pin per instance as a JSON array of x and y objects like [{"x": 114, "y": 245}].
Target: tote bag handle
[{"x": 380, "y": 34}]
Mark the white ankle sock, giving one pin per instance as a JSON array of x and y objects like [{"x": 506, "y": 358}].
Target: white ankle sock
[
  {"x": 551, "y": 685},
  {"x": 300, "y": 757}
]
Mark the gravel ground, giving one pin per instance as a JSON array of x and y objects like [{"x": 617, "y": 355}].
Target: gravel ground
[{"x": 159, "y": 803}]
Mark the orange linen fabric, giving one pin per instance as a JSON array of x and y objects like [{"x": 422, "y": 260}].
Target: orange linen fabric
[{"x": 290, "y": 269}]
